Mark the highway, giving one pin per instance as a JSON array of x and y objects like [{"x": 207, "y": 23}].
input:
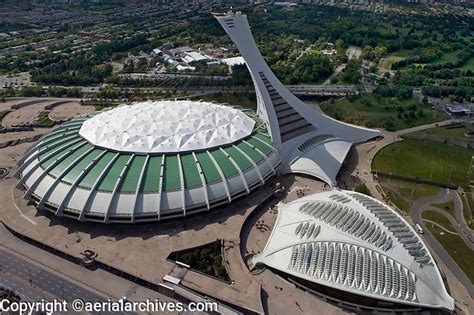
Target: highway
[
  {"x": 33, "y": 283},
  {"x": 300, "y": 89}
]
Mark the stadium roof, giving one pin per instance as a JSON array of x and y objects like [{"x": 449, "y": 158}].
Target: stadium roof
[
  {"x": 354, "y": 243},
  {"x": 167, "y": 126},
  {"x": 80, "y": 171}
]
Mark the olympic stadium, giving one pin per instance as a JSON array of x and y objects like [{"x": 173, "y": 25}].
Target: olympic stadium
[{"x": 148, "y": 161}]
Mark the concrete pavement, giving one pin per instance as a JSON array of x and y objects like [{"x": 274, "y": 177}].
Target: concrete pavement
[{"x": 76, "y": 280}]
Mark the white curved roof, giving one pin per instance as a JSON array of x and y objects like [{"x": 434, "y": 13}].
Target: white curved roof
[
  {"x": 354, "y": 243},
  {"x": 167, "y": 126}
]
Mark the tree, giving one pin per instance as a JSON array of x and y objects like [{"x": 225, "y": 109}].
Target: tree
[
  {"x": 362, "y": 188},
  {"x": 379, "y": 51},
  {"x": 425, "y": 100}
]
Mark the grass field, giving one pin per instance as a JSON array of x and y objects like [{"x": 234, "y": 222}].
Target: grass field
[
  {"x": 438, "y": 218},
  {"x": 389, "y": 60},
  {"x": 42, "y": 119},
  {"x": 3, "y": 113},
  {"x": 403, "y": 194},
  {"x": 457, "y": 249},
  {"x": 469, "y": 65},
  {"x": 449, "y": 133},
  {"x": 467, "y": 209},
  {"x": 447, "y": 206},
  {"x": 383, "y": 112},
  {"x": 447, "y": 57},
  {"x": 427, "y": 160}
]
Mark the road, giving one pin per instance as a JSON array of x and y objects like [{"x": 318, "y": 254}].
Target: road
[
  {"x": 415, "y": 212},
  {"x": 296, "y": 89},
  {"x": 33, "y": 283},
  {"x": 41, "y": 280},
  {"x": 54, "y": 277},
  {"x": 428, "y": 126}
]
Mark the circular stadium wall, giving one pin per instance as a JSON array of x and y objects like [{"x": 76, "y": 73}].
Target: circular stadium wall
[{"x": 148, "y": 162}]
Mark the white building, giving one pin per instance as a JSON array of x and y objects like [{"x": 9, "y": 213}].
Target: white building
[
  {"x": 148, "y": 162},
  {"x": 350, "y": 242}
]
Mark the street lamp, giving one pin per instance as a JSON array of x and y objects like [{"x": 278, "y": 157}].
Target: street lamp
[{"x": 470, "y": 167}]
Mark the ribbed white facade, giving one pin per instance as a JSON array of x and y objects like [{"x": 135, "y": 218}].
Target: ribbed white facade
[{"x": 354, "y": 243}]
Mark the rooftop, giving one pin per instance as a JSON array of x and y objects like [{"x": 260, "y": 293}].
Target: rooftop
[
  {"x": 166, "y": 127},
  {"x": 354, "y": 243}
]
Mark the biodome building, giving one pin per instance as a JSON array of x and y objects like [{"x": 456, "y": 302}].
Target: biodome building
[
  {"x": 148, "y": 161},
  {"x": 355, "y": 248}
]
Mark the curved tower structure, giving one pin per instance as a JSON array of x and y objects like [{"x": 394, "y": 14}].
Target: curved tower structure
[{"x": 309, "y": 142}]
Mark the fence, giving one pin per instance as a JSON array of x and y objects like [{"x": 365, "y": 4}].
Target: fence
[{"x": 415, "y": 180}]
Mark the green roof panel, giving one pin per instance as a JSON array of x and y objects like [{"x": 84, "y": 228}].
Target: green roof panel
[
  {"x": 59, "y": 168},
  {"x": 46, "y": 149},
  {"x": 225, "y": 165},
  {"x": 171, "y": 180},
  {"x": 263, "y": 137},
  {"x": 250, "y": 151},
  {"x": 46, "y": 162},
  {"x": 190, "y": 171},
  {"x": 133, "y": 174},
  {"x": 109, "y": 181},
  {"x": 74, "y": 173},
  {"x": 258, "y": 144},
  {"x": 239, "y": 158},
  {"x": 94, "y": 173},
  {"x": 208, "y": 168},
  {"x": 151, "y": 179}
]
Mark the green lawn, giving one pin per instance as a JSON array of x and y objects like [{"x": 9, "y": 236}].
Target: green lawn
[
  {"x": 3, "y": 113},
  {"x": 467, "y": 209},
  {"x": 469, "y": 65},
  {"x": 389, "y": 60},
  {"x": 438, "y": 218},
  {"x": 447, "y": 57},
  {"x": 382, "y": 112},
  {"x": 448, "y": 207},
  {"x": 426, "y": 160},
  {"x": 457, "y": 249},
  {"x": 42, "y": 119},
  {"x": 403, "y": 193}
]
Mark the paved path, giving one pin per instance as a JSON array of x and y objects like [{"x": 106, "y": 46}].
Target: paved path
[
  {"x": 440, "y": 226},
  {"x": 466, "y": 232},
  {"x": 416, "y": 209},
  {"x": 428, "y": 126}
]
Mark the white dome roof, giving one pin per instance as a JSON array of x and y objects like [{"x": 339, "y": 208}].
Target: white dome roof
[{"x": 166, "y": 127}]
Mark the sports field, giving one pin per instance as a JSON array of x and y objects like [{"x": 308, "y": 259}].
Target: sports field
[{"x": 426, "y": 159}]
